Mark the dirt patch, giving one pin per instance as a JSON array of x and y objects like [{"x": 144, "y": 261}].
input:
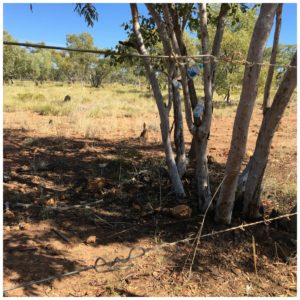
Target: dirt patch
[{"x": 74, "y": 199}]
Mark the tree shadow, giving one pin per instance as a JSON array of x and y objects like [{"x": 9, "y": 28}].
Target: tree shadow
[{"x": 128, "y": 178}]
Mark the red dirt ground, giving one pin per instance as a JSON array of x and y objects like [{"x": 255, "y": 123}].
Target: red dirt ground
[{"x": 45, "y": 171}]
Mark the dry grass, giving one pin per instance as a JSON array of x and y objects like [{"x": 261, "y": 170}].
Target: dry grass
[
  {"x": 89, "y": 113},
  {"x": 117, "y": 111}
]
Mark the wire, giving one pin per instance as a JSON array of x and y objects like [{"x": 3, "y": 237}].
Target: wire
[
  {"x": 221, "y": 59},
  {"x": 113, "y": 267}
]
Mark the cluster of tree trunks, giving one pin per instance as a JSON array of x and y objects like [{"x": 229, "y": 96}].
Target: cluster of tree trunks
[{"x": 170, "y": 31}]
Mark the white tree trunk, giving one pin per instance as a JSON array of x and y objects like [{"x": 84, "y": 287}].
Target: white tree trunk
[
  {"x": 266, "y": 102},
  {"x": 244, "y": 111},
  {"x": 203, "y": 186},
  {"x": 215, "y": 52},
  {"x": 263, "y": 144},
  {"x": 163, "y": 113},
  {"x": 176, "y": 49},
  {"x": 181, "y": 159}
]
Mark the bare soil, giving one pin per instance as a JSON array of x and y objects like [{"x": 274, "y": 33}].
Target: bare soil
[{"x": 43, "y": 173}]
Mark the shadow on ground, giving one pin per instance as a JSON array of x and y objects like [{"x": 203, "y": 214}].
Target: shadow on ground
[{"x": 129, "y": 180}]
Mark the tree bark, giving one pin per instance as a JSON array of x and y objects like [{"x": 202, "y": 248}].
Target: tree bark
[
  {"x": 183, "y": 51},
  {"x": 263, "y": 144},
  {"x": 266, "y": 102},
  {"x": 181, "y": 159},
  {"x": 204, "y": 193},
  {"x": 244, "y": 111},
  {"x": 172, "y": 168},
  {"x": 215, "y": 52},
  {"x": 176, "y": 48}
]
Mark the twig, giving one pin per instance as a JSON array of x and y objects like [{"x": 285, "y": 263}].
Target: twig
[
  {"x": 282, "y": 251},
  {"x": 254, "y": 254},
  {"x": 159, "y": 189},
  {"x": 172, "y": 127},
  {"x": 198, "y": 236},
  {"x": 60, "y": 208},
  {"x": 60, "y": 235},
  {"x": 120, "y": 232},
  {"x": 84, "y": 205},
  {"x": 120, "y": 175},
  {"x": 21, "y": 249},
  {"x": 103, "y": 220}
]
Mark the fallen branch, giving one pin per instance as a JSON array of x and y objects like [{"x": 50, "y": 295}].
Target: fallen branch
[
  {"x": 21, "y": 249},
  {"x": 85, "y": 205},
  {"x": 60, "y": 235}
]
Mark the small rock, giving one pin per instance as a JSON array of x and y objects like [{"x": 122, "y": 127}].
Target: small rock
[
  {"x": 51, "y": 202},
  {"x": 6, "y": 228},
  {"x": 9, "y": 214},
  {"x": 136, "y": 206},
  {"x": 236, "y": 271},
  {"x": 155, "y": 274},
  {"x": 96, "y": 184},
  {"x": 181, "y": 211},
  {"x": 91, "y": 239},
  {"x": 103, "y": 165},
  {"x": 22, "y": 226}
]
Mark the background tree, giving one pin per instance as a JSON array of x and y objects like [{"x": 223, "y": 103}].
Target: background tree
[
  {"x": 99, "y": 71},
  {"x": 15, "y": 60},
  {"x": 236, "y": 39},
  {"x": 81, "y": 62},
  {"x": 41, "y": 64}
]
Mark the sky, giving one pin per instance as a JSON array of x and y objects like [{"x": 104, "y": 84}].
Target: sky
[{"x": 50, "y": 23}]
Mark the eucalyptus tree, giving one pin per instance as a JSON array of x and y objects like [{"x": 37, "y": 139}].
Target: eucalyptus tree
[
  {"x": 173, "y": 172},
  {"x": 258, "y": 162},
  {"x": 165, "y": 18},
  {"x": 170, "y": 23},
  {"x": 235, "y": 45},
  {"x": 244, "y": 111},
  {"x": 15, "y": 61},
  {"x": 81, "y": 62},
  {"x": 99, "y": 71}
]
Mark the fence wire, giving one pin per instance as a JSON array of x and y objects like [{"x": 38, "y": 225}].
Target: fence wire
[{"x": 177, "y": 58}]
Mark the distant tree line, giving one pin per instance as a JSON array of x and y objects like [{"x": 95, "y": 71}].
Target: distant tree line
[{"x": 41, "y": 65}]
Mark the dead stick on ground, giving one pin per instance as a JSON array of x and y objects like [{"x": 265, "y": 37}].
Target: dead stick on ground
[
  {"x": 21, "y": 249},
  {"x": 282, "y": 251},
  {"x": 60, "y": 208},
  {"x": 120, "y": 232},
  {"x": 60, "y": 235},
  {"x": 254, "y": 254},
  {"x": 103, "y": 220}
]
